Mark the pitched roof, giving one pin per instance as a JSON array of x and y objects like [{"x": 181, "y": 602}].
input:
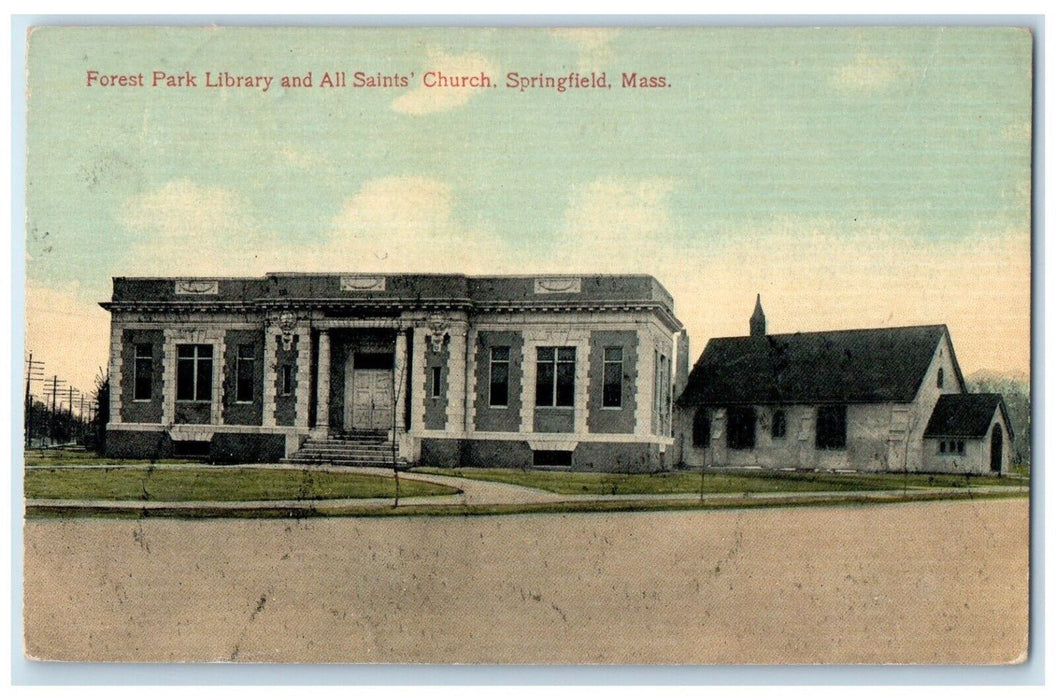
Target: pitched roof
[
  {"x": 965, "y": 415},
  {"x": 857, "y": 366}
]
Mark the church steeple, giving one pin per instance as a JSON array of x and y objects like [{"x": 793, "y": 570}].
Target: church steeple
[{"x": 757, "y": 324}]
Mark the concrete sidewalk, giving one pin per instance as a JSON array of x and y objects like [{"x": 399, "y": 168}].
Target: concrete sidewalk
[{"x": 484, "y": 493}]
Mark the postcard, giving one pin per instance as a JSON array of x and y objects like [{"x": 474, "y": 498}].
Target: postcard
[{"x": 696, "y": 345}]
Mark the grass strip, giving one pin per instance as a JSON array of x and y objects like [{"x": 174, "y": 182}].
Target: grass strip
[{"x": 216, "y": 484}]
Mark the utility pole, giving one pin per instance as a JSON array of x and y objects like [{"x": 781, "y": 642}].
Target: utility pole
[
  {"x": 69, "y": 420},
  {"x": 34, "y": 370},
  {"x": 80, "y": 420},
  {"x": 55, "y": 382}
]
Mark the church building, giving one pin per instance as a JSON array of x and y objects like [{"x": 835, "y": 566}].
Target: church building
[
  {"x": 571, "y": 371},
  {"x": 879, "y": 399}
]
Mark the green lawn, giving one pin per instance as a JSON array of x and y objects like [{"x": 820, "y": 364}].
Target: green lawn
[
  {"x": 216, "y": 484},
  {"x": 76, "y": 457},
  {"x": 690, "y": 482}
]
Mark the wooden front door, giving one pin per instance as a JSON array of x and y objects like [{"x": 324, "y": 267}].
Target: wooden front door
[
  {"x": 372, "y": 399},
  {"x": 369, "y": 390}
]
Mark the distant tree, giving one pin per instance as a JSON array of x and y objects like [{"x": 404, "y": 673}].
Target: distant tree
[
  {"x": 102, "y": 413},
  {"x": 1016, "y": 392}
]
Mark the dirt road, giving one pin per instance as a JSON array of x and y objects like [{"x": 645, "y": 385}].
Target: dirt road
[{"x": 942, "y": 582}]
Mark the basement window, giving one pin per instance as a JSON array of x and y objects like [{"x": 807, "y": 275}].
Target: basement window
[
  {"x": 190, "y": 448},
  {"x": 552, "y": 458}
]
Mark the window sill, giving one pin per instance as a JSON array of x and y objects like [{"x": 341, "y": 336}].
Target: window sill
[
  {"x": 556, "y": 408},
  {"x": 142, "y": 400},
  {"x": 498, "y": 408}
]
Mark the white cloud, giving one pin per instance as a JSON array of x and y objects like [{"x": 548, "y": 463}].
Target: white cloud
[
  {"x": 428, "y": 100},
  {"x": 401, "y": 224},
  {"x": 869, "y": 73},
  {"x": 594, "y": 45},
  {"x": 613, "y": 223},
  {"x": 187, "y": 229}
]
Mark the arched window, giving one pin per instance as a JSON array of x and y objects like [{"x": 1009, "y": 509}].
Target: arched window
[
  {"x": 778, "y": 425},
  {"x": 701, "y": 428},
  {"x": 939, "y": 378}
]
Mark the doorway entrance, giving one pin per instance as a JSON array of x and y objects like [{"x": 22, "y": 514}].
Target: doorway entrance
[
  {"x": 368, "y": 391},
  {"x": 997, "y": 440}
]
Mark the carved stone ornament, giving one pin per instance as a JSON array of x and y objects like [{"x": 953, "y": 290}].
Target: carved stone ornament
[
  {"x": 438, "y": 332},
  {"x": 557, "y": 285},
  {"x": 197, "y": 287},
  {"x": 363, "y": 283},
  {"x": 287, "y": 322}
]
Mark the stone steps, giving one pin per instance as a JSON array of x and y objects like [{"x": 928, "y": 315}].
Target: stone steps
[{"x": 369, "y": 450}]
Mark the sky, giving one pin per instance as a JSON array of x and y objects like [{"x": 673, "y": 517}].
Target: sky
[{"x": 852, "y": 177}]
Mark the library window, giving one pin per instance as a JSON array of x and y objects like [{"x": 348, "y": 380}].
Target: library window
[
  {"x": 499, "y": 394},
  {"x": 144, "y": 372},
  {"x": 612, "y": 392},
  {"x": 555, "y": 377},
  {"x": 245, "y": 365},
  {"x": 194, "y": 372}
]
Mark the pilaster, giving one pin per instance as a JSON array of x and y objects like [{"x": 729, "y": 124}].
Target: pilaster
[
  {"x": 322, "y": 397},
  {"x": 270, "y": 334},
  {"x": 456, "y": 379},
  {"x": 418, "y": 371},
  {"x": 304, "y": 375},
  {"x": 116, "y": 344},
  {"x": 399, "y": 380}
]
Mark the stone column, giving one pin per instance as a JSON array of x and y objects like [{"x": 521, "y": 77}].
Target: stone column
[
  {"x": 471, "y": 380},
  {"x": 270, "y": 332},
  {"x": 168, "y": 378},
  {"x": 418, "y": 376},
  {"x": 456, "y": 379},
  {"x": 116, "y": 343},
  {"x": 322, "y": 389},
  {"x": 304, "y": 375},
  {"x": 645, "y": 385},
  {"x": 399, "y": 380},
  {"x": 219, "y": 371}
]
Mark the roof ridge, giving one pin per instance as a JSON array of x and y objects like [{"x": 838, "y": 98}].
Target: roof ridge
[{"x": 830, "y": 332}]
